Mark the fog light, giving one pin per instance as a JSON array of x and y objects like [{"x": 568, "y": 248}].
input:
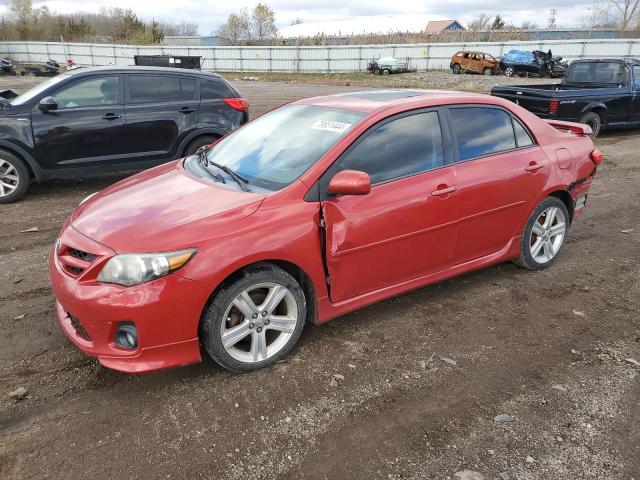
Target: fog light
[{"x": 126, "y": 336}]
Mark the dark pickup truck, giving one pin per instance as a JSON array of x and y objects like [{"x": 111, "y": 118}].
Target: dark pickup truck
[{"x": 601, "y": 93}]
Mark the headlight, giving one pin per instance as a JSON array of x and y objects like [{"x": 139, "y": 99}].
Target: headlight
[
  {"x": 88, "y": 197},
  {"x": 132, "y": 269}
]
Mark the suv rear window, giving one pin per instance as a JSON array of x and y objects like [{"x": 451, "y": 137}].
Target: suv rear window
[
  {"x": 215, "y": 89},
  {"x": 160, "y": 88}
]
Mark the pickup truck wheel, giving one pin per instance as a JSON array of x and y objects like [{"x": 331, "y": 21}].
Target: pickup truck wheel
[
  {"x": 457, "y": 70},
  {"x": 594, "y": 121},
  {"x": 544, "y": 234},
  {"x": 14, "y": 178},
  {"x": 255, "y": 320},
  {"x": 508, "y": 72},
  {"x": 487, "y": 71}
]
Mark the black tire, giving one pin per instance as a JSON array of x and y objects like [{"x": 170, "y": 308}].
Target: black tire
[
  {"x": 525, "y": 259},
  {"x": 594, "y": 120},
  {"x": 198, "y": 143},
  {"x": 385, "y": 71},
  {"x": 211, "y": 324},
  {"x": 509, "y": 72},
  {"x": 487, "y": 71},
  {"x": 9, "y": 162},
  {"x": 457, "y": 69}
]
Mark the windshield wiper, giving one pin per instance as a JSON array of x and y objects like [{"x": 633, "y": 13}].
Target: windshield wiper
[{"x": 204, "y": 161}]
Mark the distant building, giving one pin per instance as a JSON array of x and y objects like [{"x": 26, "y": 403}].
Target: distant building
[{"x": 371, "y": 25}]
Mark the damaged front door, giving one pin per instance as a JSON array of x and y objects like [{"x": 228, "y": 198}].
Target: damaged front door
[{"x": 405, "y": 227}]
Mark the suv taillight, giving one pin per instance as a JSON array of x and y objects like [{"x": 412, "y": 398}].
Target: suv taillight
[
  {"x": 596, "y": 156},
  {"x": 553, "y": 106},
  {"x": 239, "y": 104}
]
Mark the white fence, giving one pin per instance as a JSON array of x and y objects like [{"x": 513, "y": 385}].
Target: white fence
[{"x": 350, "y": 58}]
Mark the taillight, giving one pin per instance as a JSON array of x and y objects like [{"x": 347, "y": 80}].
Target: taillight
[
  {"x": 596, "y": 156},
  {"x": 239, "y": 104},
  {"x": 553, "y": 106}
]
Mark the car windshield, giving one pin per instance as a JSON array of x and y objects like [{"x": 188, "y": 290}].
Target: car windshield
[
  {"x": 596, "y": 72},
  {"x": 34, "y": 92},
  {"x": 273, "y": 150}
]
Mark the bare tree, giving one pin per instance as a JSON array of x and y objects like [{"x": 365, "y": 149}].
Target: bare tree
[
  {"x": 263, "y": 22},
  {"x": 237, "y": 28},
  {"x": 481, "y": 22},
  {"x": 622, "y": 12},
  {"x": 245, "y": 27}
]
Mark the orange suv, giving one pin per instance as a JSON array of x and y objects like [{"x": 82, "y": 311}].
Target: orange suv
[{"x": 475, "y": 62}]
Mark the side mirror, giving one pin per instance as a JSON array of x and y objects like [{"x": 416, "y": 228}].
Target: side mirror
[
  {"x": 48, "y": 104},
  {"x": 350, "y": 182}
]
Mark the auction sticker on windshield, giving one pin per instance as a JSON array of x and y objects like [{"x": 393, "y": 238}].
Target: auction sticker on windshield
[{"x": 331, "y": 126}]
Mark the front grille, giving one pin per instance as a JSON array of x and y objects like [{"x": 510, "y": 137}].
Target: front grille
[
  {"x": 80, "y": 330},
  {"x": 85, "y": 256},
  {"x": 76, "y": 271}
]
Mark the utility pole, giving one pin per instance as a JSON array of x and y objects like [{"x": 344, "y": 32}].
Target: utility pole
[{"x": 552, "y": 19}]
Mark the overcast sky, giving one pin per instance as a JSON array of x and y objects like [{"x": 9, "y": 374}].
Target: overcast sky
[{"x": 209, "y": 14}]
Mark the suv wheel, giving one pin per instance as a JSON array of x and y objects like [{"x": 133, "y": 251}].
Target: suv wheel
[
  {"x": 255, "y": 320},
  {"x": 198, "y": 144},
  {"x": 14, "y": 178},
  {"x": 487, "y": 71},
  {"x": 594, "y": 121},
  {"x": 544, "y": 234}
]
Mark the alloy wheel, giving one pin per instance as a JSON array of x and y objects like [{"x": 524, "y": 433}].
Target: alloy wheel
[
  {"x": 547, "y": 234},
  {"x": 9, "y": 179},
  {"x": 259, "y": 322}
]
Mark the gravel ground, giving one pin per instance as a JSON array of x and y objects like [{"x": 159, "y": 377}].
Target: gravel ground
[{"x": 550, "y": 350}]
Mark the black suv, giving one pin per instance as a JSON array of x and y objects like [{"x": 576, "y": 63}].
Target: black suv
[{"x": 111, "y": 119}]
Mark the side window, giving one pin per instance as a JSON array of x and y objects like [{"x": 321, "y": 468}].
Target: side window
[
  {"x": 89, "y": 93},
  {"x": 523, "y": 139},
  {"x": 399, "y": 148},
  {"x": 481, "y": 131},
  {"x": 214, "y": 90},
  {"x": 160, "y": 88},
  {"x": 636, "y": 76}
]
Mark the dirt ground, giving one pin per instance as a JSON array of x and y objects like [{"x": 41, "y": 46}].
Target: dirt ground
[{"x": 549, "y": 349}]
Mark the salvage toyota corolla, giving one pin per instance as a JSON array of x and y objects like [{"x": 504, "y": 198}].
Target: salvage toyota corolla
[{"x": 310, "y": 211}]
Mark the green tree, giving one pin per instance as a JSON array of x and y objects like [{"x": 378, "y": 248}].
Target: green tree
[
  {"x": 263, "y": 22},
  {"x": 498, "y": 23}
]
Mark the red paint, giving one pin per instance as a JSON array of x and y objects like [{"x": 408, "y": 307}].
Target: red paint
[{"x": 388, "y": 239}]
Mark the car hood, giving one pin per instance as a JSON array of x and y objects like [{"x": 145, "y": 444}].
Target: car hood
[{"x": 161, "y": 209}]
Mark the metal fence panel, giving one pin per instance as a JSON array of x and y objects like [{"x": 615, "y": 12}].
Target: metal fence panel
[{"x": 347, "y": 58}]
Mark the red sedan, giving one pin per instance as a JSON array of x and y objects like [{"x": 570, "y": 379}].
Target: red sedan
[{"x": 310, "y": 211}]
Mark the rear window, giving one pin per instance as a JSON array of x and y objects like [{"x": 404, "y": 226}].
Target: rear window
[
  {"x": 596, "y": 72},
  {"x": 160, "y": 88},
  {"x": 215, "y": 89},
  {"x": 482, "y": 131}
]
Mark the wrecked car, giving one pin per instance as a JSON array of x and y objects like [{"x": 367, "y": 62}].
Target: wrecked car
[
  {"x": 474, "y": 62},
  {"x": 536, "y": 63}
]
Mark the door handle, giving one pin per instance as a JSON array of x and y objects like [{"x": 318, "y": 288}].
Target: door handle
[
  {"x": 444, "y": 190},
  {"x": 111, "y": 116},
  {"x": 533, "y": 167},
  {"x": 187, "y": 110}
]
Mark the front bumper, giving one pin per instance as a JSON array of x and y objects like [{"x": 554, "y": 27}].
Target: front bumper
[{"x": 166, "y": 313}]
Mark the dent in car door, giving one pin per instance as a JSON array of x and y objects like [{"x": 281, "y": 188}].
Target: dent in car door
[
  {"x": 87, "y": 127},
  {"x": 161, "y": 110},
  {"x": 405, "y": 227}
]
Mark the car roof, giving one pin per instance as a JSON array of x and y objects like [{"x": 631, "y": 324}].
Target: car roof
[
  {"x": 141, "y": 69},
  {"x": 626, "y": 60},
  {"x": 371, "y": 101}
]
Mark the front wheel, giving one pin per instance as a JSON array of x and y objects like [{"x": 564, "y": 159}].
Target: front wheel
[
  {"x": 255, "y": 320},
  {"x": 544, "y": 234},
  {"x": 14, "y": 178},
  {"x": 509, "y": 72},
  {"x": 457, "y": 69},
  {"x": 487, "y": 71}
]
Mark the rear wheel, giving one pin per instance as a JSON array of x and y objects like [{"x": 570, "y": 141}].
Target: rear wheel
[
  {"x": 14, "y": 177},
  {"x": 544, "y": 234},
  {"x": 457, "y": 69},
  {"x": 594, "y": 121},
  {"x": 255, "y": 320},
  {"x": 198, "y": 144}
]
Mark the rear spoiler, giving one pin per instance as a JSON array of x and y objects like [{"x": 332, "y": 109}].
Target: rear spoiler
[{"x": 576, "y": 128}]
